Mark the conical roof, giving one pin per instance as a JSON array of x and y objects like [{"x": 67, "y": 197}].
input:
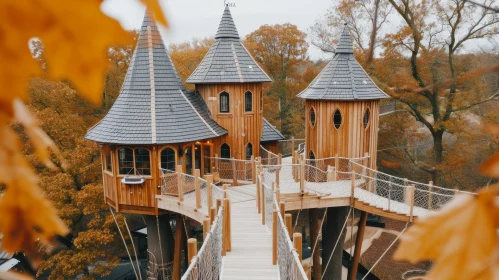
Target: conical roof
[
  {"x": 343, "y": 78},
  {"x": 153, "y": 106},
  {"x": 227, "y": 60}
]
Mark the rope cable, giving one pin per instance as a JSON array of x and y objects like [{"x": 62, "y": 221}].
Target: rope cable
[
  {"x": 133, "y": 246},
  {"x": 124, "y": 242},
  {"x": 336, "y": 244},
  {"x": 382, "y": 255}
]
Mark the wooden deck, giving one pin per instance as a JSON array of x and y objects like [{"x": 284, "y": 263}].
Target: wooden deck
[{"x": 251, "y": 255}]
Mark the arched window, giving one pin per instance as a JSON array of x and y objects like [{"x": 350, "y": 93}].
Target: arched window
[
  {"x": 125, "y": 160},
  {"x": 337, "y": 119},
  {"x": 168, "y": 159},
  {"x": 224, "y": 151},
  {"x": 249, "y": 151},
  {"x": 312, "y": 117},
  {"x": 248, "y": 101},
  {"x": 224, "y": 102},
  {"x": 142, "y": 161},
  {"x": 261, "y": 101},
  {"x": 367, "y": 115}
]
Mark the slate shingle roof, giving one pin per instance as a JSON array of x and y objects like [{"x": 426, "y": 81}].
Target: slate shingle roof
[
  {"x": 270, "y": 133},
  {"x": 153, "y": 106},
  {"x": 343, "y": 78},
  {"x": 227, "y": 60}
]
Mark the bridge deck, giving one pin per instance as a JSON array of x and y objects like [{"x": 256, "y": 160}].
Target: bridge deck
[{"x": 251, "y": 255}]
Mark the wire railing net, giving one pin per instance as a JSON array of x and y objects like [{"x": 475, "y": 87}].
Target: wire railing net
[
  {"x": 286, "y": 147},
  {"x": 230, "y": 169},
  {"x": 267, "y": 157},
  {"x": 206, "y": 265},
  {"x": 268, "y": 199},
  {"x": 169, "y": 182}
]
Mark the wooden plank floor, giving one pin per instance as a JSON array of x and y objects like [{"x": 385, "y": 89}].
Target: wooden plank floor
[{"x": 251, "y": 255}]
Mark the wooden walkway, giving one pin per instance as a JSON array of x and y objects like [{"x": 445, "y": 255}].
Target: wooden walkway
[{"x": 251, "y": 255}]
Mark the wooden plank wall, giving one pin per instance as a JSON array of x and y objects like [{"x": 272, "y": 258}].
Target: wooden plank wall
[
  {"x": 237, "y": 122},
  {"x": 351, "y": 139},
  {"x": 271, "y": 147}
]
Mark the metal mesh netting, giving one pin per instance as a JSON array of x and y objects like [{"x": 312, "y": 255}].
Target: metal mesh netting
[
  {"x": 268, "y": 199},
  {"x": 286, "y": 146},
  {"x": 229, "y": 169},
  {"x": 169, "y": 182},
  {"x": 208, "y": 262},
  {"x": 268, "y": 158}
]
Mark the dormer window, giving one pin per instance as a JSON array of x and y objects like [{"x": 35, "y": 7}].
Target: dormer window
[
  {"x": 224, "y": 102},
  {"x": 248, "y": 101}
]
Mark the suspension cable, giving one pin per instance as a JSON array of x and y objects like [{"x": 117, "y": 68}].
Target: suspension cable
[
  {"x": 124, "y": 242},
  {"x": 337, "y": 241},
  {"x": 133, "y": 246},
  {"x": 384, "y": 253}
]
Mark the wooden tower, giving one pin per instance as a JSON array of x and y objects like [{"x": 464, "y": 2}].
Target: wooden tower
[
  {"x": 342, "y": 108},
  {"x": 154, "y": 123},
  {"x": 230, "y": 82}
]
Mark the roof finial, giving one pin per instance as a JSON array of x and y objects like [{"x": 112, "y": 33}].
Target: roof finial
[{"x": 345, "y": 43}]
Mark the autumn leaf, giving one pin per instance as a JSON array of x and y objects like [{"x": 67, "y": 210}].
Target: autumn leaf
[
  {"x": 390, "y": 164},
  {"x": 461, "y": 238}
]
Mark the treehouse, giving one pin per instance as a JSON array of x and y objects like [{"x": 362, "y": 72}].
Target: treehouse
[
  {"x": 154, "y": 123},
  {"x": 230, "y": 82},
  {"x": 342, "y": 108}
]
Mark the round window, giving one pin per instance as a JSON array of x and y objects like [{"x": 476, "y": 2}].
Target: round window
[
  {"x": 312, "y": 117},
  {"x": 367, "y": 114},
  {"x": 337, "y": 119}
]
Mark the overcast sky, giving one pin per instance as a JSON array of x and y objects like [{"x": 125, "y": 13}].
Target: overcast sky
[{"x": 200, "y": 18}]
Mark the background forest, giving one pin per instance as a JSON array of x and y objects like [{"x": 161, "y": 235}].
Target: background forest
[{"x": 437, "y": 59}]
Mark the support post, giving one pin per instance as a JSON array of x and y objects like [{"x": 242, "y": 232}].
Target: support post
[
  {"x": 314, "y": 225},
  {"x": 337, "y": 166},
  {"x": 253, "y": 170},
  {"x": 213, "y": 214},
  {"x": 279, "y": 159},
  {"x": 294, "y": 161},
  {"x": 302, "y": 174},
  {"x": 197, "y": 189},
  {"x": 430, "y": 196},
  {"x": 289, "y": 224},
  {"x": 292, "y": 145},
  {"x": 277, "y": 176},
  {"x": 411, "y": 205},
  {"x": 234, "y": 172},
  {"x": 177, "y": 253},
  {"x": 353, "y": 187},
  {"x": 209, "y": 182},
  {"x": 179, "y": 183},
  {"x": 274, "y": 237},
  {"x": 217, "y": 162},
  {"x": 278, "y": 194},
  {"x": 358, "y": 246},
  {"x": 206, "y": 227},
  {"x": 282, "y": 209},
  {"x": 192, "y": 249},
  {"x": 262, "y": 199},
  {"x": 297, "y": 242},
  {"x": 226, "y": 190},
  {"x": 258, "y": 185},
  {"x": 226, "y": 226}
]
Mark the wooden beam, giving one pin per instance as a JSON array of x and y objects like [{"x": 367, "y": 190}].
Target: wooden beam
[
  {"x": 177, "y": 251},
  {"x": 197, "y": 173},
  {"x": 274, "y": 237},
  {"x": 358, "y": 246},
  {"x": 262, "y": 199}
]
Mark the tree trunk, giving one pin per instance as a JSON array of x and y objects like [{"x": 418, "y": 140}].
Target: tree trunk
[
  {"x": 331, "y": 232},
  {"x": 438, "y": 154},
  {"x": 314, "y": 234},
  {"x": 161, "y": 246}
]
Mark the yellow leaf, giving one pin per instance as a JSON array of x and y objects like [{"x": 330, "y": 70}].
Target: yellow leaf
[
  {"x": 157, "y": 12},
  {"x": 461, "y": 238}
]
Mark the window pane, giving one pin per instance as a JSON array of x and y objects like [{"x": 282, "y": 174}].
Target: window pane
[
  {"x": 248, "y": 101},
  {"x": 224, "y": 102},
  {"x": 312, "y": 117},
  {"x": 197, "y": 156},
  {"x": 188, "y": 160},
  {"x": 366, "y": 118},
  {"x": 125, "y": 160},
  {"x": 142, "y": 161},
  {"x": 337, "y": 119},
  {"x": 109, "y": 166},
  {"x": 225, "y": 151},
  {"x": 207, "y": 159},
  {"x": 249, "y": 151},
  {"x": 168, "y": 159}
]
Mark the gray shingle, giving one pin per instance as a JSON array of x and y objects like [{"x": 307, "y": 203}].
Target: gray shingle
[
  {"x": 154, "y": 113},
  {"x": 227, "y": 60},
  {"x": 343, "y": 78},
  {"x": 270, "y": 133}
]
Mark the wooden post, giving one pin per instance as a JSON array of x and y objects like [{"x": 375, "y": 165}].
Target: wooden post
[
  {"x": 329, "y": 174},
  {"x": 411, "y": 205},
  {"x": 209, "y": 182},
  {"x": 229, "y": 220},
  {"x": 258, "y": 183},
  {"x": 315, "y": 229},
  {"x": 293, "y": 167},
  {"x": 253, "y": 170},
  {"x": 430, "y": 196},
  {"x": 192, "y": 249},
  {"x": 217, "y": 160},
  {"x": 196, "y": 187},
  {"x": 262, "y": 199},
  {"x": 179, "y": 183},
  {"x": 226, "y": 226},
  {"x": 282, "y": 209},
  {"x": 353, "y": 187},
  {"x": 277, "y": 176},
  {"x": 234, "y": 172},
  {"x": 289, "y": 224},
  {"x": 219, "y": 203},
  {"x": 213, "y": 214},
  {"x": 297, "y": 242},
  {"x": 274, "y": 237},
  {"x": 279, "y": 159},
  {"x": 337, "y": 166},
  {"x": 358, "y": 246},
  {"x": 407, "y": 195},
  {"x": 302, "y": 174},
  {"x": 226, "y": 190},
  {"x": 292, "y": 145},
  {"x": 177, "y": 251},
  {"x": 206, "y": 227},
  {"x": 278, "y": 194}
]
